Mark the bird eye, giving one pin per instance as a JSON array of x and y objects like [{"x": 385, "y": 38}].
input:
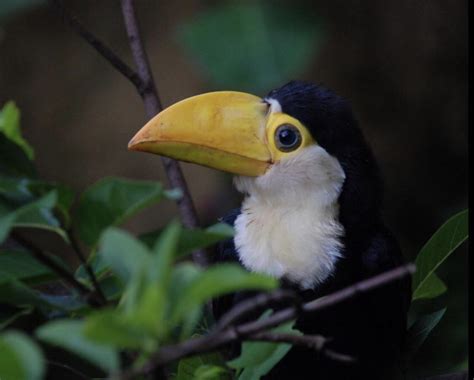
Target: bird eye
[{"x": 287, "y": 137}]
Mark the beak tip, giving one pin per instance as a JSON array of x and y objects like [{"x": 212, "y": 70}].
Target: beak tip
[{"x": 132, "y": 144}]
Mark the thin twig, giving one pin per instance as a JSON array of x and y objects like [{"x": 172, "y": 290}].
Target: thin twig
[
  {"x": 153, "y": 106},
  {"x": 98, "y": 45},
  {"x": 82, "y": 258},
  {"x": 219, "y": 338},
  {"x": 317, "y": 342},
  {"x": 255, "y": 305},
  {"x": 312, "y": 341},
  {"x": 65, "y": 275}
]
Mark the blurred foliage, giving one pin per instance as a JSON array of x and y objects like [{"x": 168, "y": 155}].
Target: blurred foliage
[
  {"x": 252, "y": 46},
  {"x": 9, "y": 7}
]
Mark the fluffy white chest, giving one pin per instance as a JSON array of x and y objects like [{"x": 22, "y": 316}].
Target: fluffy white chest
[{"x": 292, "y": 230}]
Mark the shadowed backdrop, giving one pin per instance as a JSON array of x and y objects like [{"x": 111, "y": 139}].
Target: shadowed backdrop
[{"x": 402, "y": 65}]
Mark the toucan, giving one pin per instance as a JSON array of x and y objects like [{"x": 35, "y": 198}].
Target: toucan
[{"x": 311, "y": 214}]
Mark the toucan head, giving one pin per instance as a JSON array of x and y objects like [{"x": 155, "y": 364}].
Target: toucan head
[{"x": 249, "y": 136}]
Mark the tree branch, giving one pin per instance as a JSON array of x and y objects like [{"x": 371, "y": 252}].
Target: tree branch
[
  {"x": 218, "y": 338},
  {"x": 255, "y": 305},
  {"x": 89, "y": 296},
  {"x": 317, "y": 342},
  {"x": 153, "y": 106},
  {"x": 82, "y": 258},
  {"x": 145, "y": 85},
  {"x": 98, "y": 45}
]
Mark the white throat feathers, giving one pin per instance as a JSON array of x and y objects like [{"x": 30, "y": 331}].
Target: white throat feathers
[{"x": 289, "y": 226}]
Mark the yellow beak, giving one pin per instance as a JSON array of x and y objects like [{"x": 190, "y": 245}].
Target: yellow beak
[{"x": 223, "y": 130}]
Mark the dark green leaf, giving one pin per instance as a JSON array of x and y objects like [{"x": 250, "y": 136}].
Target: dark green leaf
[
  {"x": 112, "y": 201},
  {"x": 17, "y": 192},
  {"x": 111, "y": 287},
  {"x": 211, "y": 372},
  {"x": 431, "y": 288},
  {"x": 10, "y": 127},
  {"x": 202, "y": 367},
  {"x": 124, "y": 254},
  {"x": 252, "y": 46},
  {"x": 22, "y": 266},
  {"x": 13, "y": 161},
  {"x": 444, "y": 241},
  {"x": 111, "y": 328},
  {"x": 14, "y": 292},
  {"x": 258, "y": 358},
  {"x": 20, "y": 357},
  {"x": 419, "y": 331},
  {"x": 37, "y": 214},
  {"x": 69, "y": 335}
]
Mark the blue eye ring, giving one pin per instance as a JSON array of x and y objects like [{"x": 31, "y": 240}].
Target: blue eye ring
[{"x": 287, "y": 138}]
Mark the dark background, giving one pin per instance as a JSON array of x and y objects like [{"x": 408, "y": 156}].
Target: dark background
[{"x": 401, "y": 63}]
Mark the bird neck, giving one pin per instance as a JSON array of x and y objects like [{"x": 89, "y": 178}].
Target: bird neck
[{"x": 289, "y": 226}]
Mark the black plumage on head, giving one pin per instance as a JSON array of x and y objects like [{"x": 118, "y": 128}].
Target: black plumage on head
[{"x": 331, "y": 122}]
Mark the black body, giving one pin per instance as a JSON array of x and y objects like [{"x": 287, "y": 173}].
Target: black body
[{"x": 370, "y": 327}]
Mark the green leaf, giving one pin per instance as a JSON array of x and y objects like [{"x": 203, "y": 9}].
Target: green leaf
[
  {"x": 124, "y": 254},
  {"x": 211, "y": 372},
  {"x": 190, "y": 240},
  {"x": 22, "y": 266},
  {"x": 258, "y": 358},
  {"x": 419, "y": 331},
  {"x": 20, "y": 357},
  {"x": 216, "y": 281},
  {"x": 444, "y": 241},
  {"x": 13, "y": 161},
  {"x": 37, "y": 214},
  {"x": 149, "y": 313},
  {"x": 10, "y": 126},
  {"x": 431, "y": 288},
  {"x": 164, "y": 252},
  {"x": 110, "y": 202},
  {"x": 111, "y": 328},
  {"x": 202, "y": 367},
  {"x": 17, "y": 192},
  {"x": 14, "y": 292},
  {"x": 182, "y": 276},
  {"x": 252, "y": 46},
  {"x": 145, "y": 300},
  {"x": 69, "y": 335}
]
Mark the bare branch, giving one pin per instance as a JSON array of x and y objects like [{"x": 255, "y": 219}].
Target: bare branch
[
  {"x": 316, "y": 342},
  {"x": 246, "y": 331},
  {"x": 89, "y": 295},
  {"x": 98, "y": 45},
  {"x": 255, "y": 305}
]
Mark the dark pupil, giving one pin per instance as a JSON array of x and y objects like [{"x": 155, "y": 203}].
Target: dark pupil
[{"x": 287, "y": 137}]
